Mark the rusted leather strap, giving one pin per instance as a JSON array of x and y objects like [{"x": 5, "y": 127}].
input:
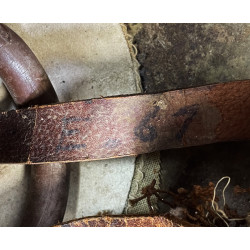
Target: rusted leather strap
[
  {"x": 128, "y": 221},
  {"x": 122, "y": 126}
]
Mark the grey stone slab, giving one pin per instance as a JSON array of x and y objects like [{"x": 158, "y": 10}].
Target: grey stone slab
[
  {"x": 175, "y": 56},
  {"x": 101, "y": 189}
]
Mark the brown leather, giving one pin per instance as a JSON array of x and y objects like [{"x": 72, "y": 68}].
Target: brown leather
[
  {"x": 128, "y": 221},
  {"x": 28, "y": 84},
  {"x": 47, "y": 195},
  {"x": 121, "y": 126},
  {"x": 23, "y": 75}
]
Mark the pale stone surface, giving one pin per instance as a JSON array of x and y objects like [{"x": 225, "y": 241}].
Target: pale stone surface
[
  {"x": 13, "y": 193},
  {"x": 102, "y": 188},
  {"x": 83, "y": 61}
]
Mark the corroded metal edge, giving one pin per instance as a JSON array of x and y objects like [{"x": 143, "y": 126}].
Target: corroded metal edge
[{"x": 128, "y": 221}]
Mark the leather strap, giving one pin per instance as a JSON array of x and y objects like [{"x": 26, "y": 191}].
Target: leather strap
[
  {"x": 128, "y": 221},
  {"x": 122, "y": 126}
]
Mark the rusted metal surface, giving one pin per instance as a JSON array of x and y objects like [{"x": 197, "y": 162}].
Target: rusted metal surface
[
  {"x": 128, "y": 221},
  {"x": 122, "y": 126},
  {"x": 28, "y": 84}
]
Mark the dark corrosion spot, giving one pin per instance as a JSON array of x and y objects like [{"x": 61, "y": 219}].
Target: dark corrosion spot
[
  {"x": 112, "y": 143},
  {"x": 65, "y": 225},
  {"x": 74, "y": 119},
  {"x": 145, "y": 131},
  {"x": 88, "y": 101},
  {"x": 70, "y": 147},
  {"x": 68, "y": 131},
  {"x": 190, "y": 112}
]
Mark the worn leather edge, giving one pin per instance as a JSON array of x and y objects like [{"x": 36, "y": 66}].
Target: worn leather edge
[
  {"x": 165, "y": 220},
  {"x": 123, "y": 126}
]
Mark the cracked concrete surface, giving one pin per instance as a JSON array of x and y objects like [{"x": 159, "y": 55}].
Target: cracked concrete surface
[{"x": 83, "y": 61}]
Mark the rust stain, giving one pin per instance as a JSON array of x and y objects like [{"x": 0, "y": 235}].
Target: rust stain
[{"x": 128, "y": 221}]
